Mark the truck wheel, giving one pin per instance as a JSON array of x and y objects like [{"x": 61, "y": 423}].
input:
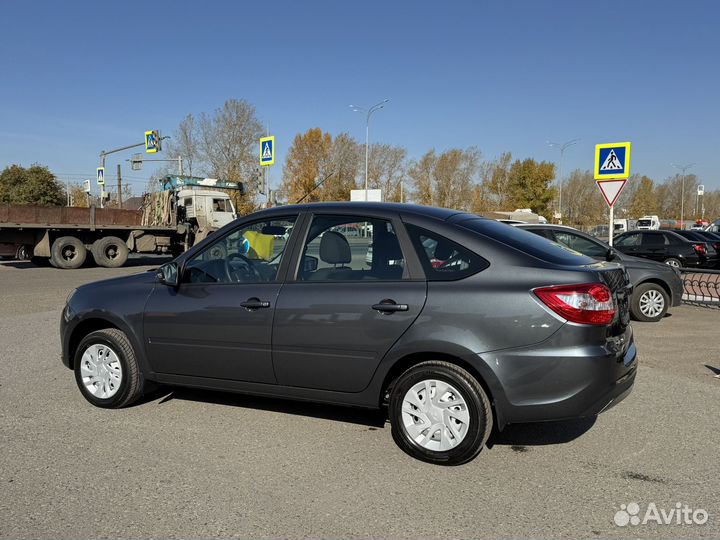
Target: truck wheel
[
  {"x": 68, "y": 252},
  {"x": 23, "y": 253},
  {"x": 110, "y": 252}
]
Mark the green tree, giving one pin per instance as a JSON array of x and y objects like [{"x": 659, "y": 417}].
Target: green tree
[
  {"x": 528, "y": 185},
  {"x": 33, "y": 185}
]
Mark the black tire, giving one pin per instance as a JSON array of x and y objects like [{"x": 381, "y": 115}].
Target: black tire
[
  {"x": 131, "y": 382},
  {"x": 654, "y": 293},
  {"x": 24, "y": 252},
  {"x": 68, "y": 253},
  {"x": 672, "y": 261},
  {"x": 478, "y": 406},
  {"x": 110, "y": 252}
]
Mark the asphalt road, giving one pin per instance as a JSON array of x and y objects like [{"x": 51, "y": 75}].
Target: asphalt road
[{"x": 192, "y": 464}]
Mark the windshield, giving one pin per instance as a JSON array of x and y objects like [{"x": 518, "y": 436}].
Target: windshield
[{"x": 644, "y": 223}]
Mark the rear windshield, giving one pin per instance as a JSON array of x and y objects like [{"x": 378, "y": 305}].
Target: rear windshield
[
  {"x": 527, "y": 242},
  {"x": 644, "y": 222}
]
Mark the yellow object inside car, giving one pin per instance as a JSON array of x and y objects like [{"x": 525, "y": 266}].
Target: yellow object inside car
[{"x": 261, "y": 245}]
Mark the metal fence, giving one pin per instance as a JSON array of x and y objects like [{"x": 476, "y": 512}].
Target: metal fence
[{"x": 701, "y": 287}]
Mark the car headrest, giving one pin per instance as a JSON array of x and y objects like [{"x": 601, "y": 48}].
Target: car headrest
[
  {"x": 444, "y": 250},
  {"x": 334, "y": 248}
]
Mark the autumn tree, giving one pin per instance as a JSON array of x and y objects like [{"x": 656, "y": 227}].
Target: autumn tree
[
  {"x": 223, "y": 145},
  {"x": 387, "y": 169},
  {"x": 583, "y": 204},
  {"x": 447, "y": 179},
  {"x": 33, "y": 185},
  {"x": 644, "y": 201},
  {"x": 421, "y": 175},
  {"x": 306, "y": 160},
  {"x": 495, "y": 188},
  {"x": 342, "y": 166},
  {"x": 528, "y": 185},
  {"x": 670, "y": 194}
]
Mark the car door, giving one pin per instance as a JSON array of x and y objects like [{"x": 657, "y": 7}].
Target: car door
[
  {"x": 347, "y": 303},
  {"x": 218, "y": 322},
  {"x": 654, "y": 246}
]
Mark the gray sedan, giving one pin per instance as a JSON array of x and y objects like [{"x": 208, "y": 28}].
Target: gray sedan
[{"x": 457, "y": 325}]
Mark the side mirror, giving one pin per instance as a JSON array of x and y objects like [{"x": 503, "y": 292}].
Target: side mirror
[
  {"x": 169, "y": 274},
  {"x": 610, "y": 255},
  {"x": 310, "y": 263}
]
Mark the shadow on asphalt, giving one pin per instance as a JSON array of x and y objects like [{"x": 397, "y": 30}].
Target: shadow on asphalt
[
  {"x": 372, "y": 418},
  {"x": 520, "y": 436},
  {"x": 156, "y": 260}
]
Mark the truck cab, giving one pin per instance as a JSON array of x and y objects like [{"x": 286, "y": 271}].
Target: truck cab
[
  {"x": 649, "y": 223},
  {"x": 208, "y": 208}
]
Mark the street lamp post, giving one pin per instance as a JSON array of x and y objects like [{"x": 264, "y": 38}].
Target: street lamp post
[
  {"x": 683, "y": 168},
  {"x": 368, "y": 112},
  {"x": 562, "y": 147}
]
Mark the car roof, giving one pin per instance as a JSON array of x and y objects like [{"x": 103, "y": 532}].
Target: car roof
[
  {"x": 375, "y": 207},
  {"x": 544, "y": 226}
]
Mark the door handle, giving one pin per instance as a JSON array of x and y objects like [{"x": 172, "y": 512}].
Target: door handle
[
  {"x": 389, "y": 306},
  {"x": 255, "y": 303}
]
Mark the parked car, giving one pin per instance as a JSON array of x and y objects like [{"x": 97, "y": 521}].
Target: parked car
[
  {"x": 664, "y": 246},
  {"x": 711, "y": 243},
  {"x": 656, "y": 286},
  {"x": 512, "y": 328}
]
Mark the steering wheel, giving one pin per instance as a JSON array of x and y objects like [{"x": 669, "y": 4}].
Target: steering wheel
[{"x": 249, "y": 264}]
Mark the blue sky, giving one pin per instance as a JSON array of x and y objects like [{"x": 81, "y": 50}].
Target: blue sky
[{"x": 79, "y": 77}]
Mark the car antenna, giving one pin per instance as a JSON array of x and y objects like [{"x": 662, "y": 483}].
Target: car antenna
[{"x": 320, "y": 183}]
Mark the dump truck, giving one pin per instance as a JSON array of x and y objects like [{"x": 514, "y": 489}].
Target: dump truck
[{"x": 185, "y": 211}]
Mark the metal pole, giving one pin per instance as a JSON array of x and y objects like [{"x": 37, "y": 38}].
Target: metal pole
[
  {"x": 611, "y": 230},
  {"x": 684, "y": 169},
  {"x": 67, "y": 191},
  {"x": 119, "y": 195},
  {"x": 367, "y": 148},
  {"x": 102, "y": 188},
  {"x": 562, "y": 153},
  {"x": 180, "y": 167}
]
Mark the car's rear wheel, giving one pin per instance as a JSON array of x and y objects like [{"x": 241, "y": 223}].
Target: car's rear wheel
[
  {"x": 440, "y": 413},
  {"x": 107, "y": 370},
  {"x": 672, "y": 261},
  {"x": 649, "y": 302}
]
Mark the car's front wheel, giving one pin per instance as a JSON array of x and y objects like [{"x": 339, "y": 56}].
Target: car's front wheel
[
  {"x": 440, "y": 413},
  {"x": 107, "y": 370},
  {"x": 649, "y": 302}
]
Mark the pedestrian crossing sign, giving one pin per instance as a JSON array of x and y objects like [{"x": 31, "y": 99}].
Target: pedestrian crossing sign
[
  {"x": 612, "y": 161},
  {"x": 267, "y": 151}
]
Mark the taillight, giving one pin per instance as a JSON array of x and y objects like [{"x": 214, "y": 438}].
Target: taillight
[
  {"x": 716, "y": 245},
  {"x": 700, "y": 249},
  {"x": 590, "y": 303}
]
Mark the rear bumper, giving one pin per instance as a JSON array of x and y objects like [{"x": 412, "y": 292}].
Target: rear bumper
[{"x": 560, "y": 381}]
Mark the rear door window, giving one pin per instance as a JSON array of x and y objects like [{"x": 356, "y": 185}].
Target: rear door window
[
  {"x": 583, "y": 245},
  {"x": 650, "y": 239},
  {"x": 532, "y": 244},
  {"x": 628, "y": 240}
]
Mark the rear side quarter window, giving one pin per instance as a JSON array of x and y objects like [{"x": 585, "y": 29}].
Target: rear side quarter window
[{"x": 443, "y": 259}]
